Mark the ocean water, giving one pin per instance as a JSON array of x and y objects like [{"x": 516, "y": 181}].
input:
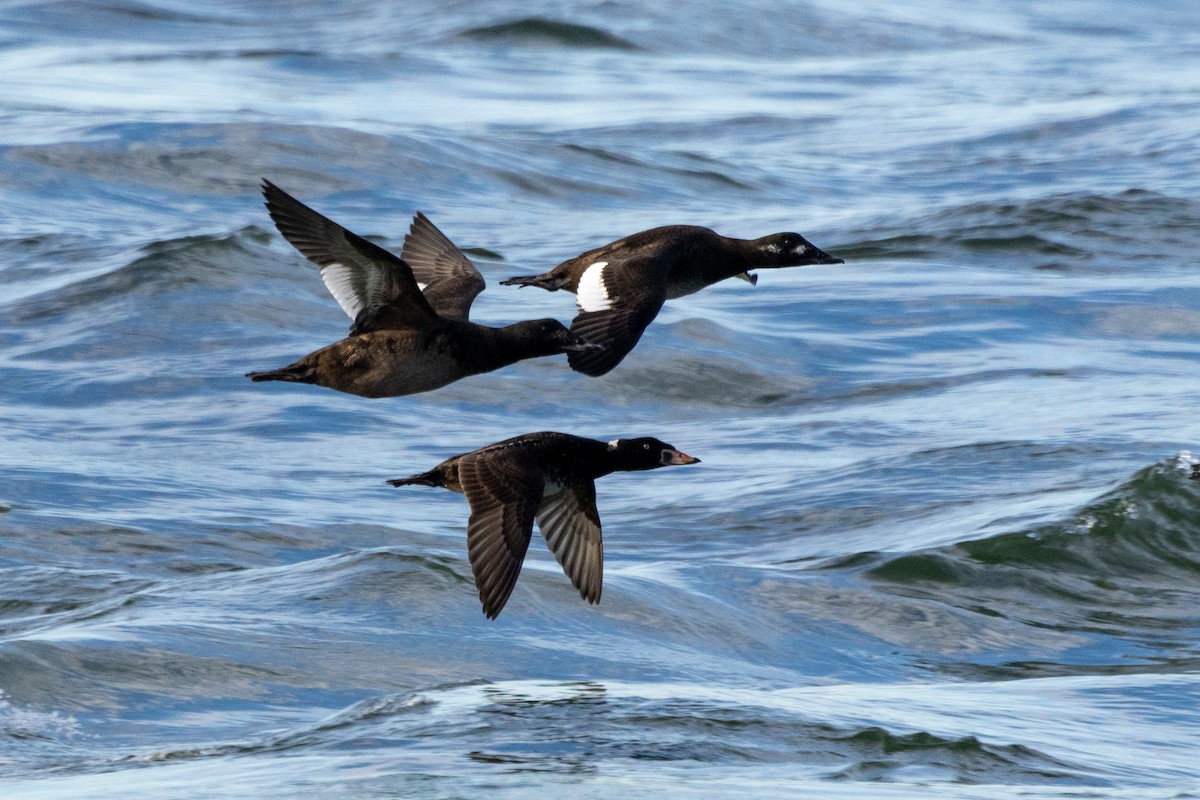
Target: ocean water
[{"x": 942, "y": 543}]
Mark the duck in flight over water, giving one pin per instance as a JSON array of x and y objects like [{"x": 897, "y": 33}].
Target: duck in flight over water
[
  {"x": 620, "y": 287},
  {"x": 548, "y": 477},
  {"x": 411, "y": 331}
]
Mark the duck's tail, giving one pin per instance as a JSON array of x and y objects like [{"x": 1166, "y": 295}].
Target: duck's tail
[
  {"x": 296, "y": 373},
  {"x": 432, "y": 478}
]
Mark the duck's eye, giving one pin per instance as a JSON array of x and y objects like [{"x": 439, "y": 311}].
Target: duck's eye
[{"x": 646, "y": 447}]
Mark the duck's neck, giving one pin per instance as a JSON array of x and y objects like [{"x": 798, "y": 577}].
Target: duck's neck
[
  {"x": 701, "y": 266},
  {"x": 521, "y": 340},
  {"x": 589, "y": 458}
]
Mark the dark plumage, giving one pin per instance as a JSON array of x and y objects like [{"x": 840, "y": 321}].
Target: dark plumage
[
  {"x": 402, "y": 340},
  {"x": 621, "y": 286},
  {"x": 550, "y": 477}
]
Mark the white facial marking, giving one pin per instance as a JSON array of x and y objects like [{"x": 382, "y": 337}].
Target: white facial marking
[
  {"x": 801, "y": 249},
  {"x": 422, "y": 286},
  {"x": 772, "y": 248},
  {"x": 592, "y": 294},
  {"x": 613, "y": 444}
]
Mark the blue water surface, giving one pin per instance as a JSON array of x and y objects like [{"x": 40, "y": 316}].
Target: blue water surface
[{"x": 942, "y": 542}]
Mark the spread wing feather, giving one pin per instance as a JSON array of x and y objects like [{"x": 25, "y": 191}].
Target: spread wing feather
[
  {"x": 374, "y": 287},
  {"x": 504, "y": 490},
  {"x": 451, "y": 281},
  {"x": 571, "y": 524}
]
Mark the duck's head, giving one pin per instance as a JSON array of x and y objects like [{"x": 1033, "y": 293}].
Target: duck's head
[
  {"x": 646, "y": 453},
  {"x": 788, "y": 250},
  {"x": 549, "y": 336}
]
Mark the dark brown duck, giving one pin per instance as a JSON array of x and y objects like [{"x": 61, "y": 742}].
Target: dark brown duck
[
  {"x": 548, "y": 477},
  {"x": 403, "y": 340},
  {"x": 620, "y": 287}
]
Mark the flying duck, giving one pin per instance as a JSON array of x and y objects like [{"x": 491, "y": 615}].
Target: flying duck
[
  {"x": 620, "y": 287},
  {"x": 410, "y": 332},
  {"x": 548, "y": 477}
]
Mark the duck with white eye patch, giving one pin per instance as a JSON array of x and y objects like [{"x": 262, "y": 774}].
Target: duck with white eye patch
[
  {"x": 620, "y": 287},
  {"x": 411, "y": 331},
  {"x": 548, "y": 477}
]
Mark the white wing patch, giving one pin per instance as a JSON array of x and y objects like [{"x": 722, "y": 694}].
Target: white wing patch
[
  {"x": 340, "y": 281},
  {"x": 592, "y": 294},
  {"x": 422, "y": 286}
]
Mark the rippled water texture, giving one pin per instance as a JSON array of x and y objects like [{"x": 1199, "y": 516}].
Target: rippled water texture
[{"x": 942, "y": 542}]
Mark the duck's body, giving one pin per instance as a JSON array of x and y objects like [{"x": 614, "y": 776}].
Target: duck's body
[
  {"x": 548, "y": 477},
  {"x": 395, "y": 362},
  {"x": 691, "y": 256},
  {"x": 406, "y": 338},
  {"x": 620, "y": 287}
]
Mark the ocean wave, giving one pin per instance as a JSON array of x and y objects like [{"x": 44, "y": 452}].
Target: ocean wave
[
  {"x": 220, "y": 159},
  {"x": 1127, "y": 565},
  {"x": 1073, "y": 231},
  {"x": 42, "y": 597},
  {"x": 758, "y": 31},
  {"x": 677, "y": 373},
  {"x": 179, "y": 161},
  {"x": 32, "y": 739},
  {"x": 539, "y": 31},
  {"x": 575, "y": 727},
  {"x": 189, "y": 265}
]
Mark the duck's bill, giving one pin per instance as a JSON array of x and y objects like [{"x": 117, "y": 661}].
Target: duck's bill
[
  {"x": 673, "y": 458},
  {"x": 818, "y": 256}
]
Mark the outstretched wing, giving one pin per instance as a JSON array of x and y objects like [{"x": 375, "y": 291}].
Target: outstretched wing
[
  {"x": 504, "y": 489},
  {"x": 616, "y": 300},
  {"x": 571, "y": 524},
  {"x": 374, "y": 287},
  {"x": 449, "y": 279}
]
